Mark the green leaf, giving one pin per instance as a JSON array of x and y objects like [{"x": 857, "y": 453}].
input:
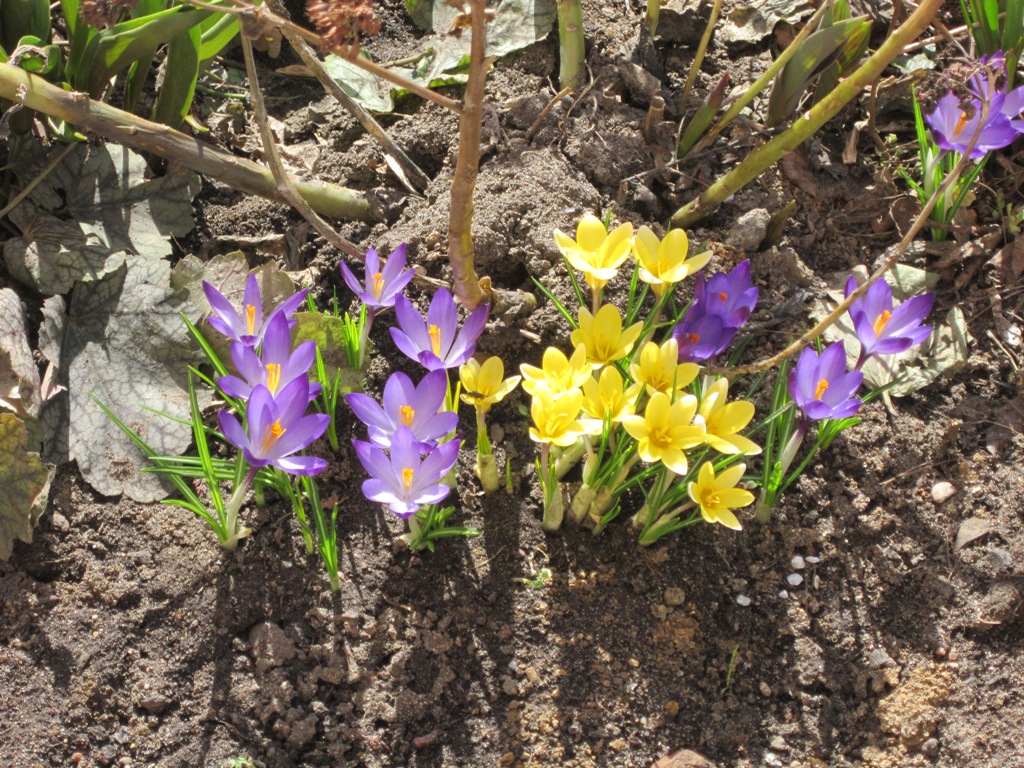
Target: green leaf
[
  {"x": 125, "y": 343},
  {"x": 25, "y": 480},
  {"x": 19, "y": 18},
  {"x": 329, "y": 334},
  {"x": 181, "y": 70}
]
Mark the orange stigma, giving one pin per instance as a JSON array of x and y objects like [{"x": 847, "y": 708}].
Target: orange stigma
[
  {"x": 406, "y": 414},
  {"x": 694, "y": 338},
  {"x": 822, "y": 386},
  {"x": 723, "y": 296},
  {"x": 378, "y": 284},
  {"x": 407, "y": 478},
  {"x": 435, "y": 339},
  {"x": 964, "y": 117},
  {"x": 881, "y": 322},
  {"x": 273, "y": 377},
  {"x": 272, "y": 434},
  {"x": 250, "y": 318}
]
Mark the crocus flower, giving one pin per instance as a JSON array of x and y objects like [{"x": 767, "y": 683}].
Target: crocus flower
[
  {"x": 666, "y": 431},
  {"x": 821, "y": 387},
  {"x": 701, "y": 336},
  {"x": 603, "y": 337},
  {"x": 405, "y": 480},
  {"x": 275, "y": 367},
  {"x": 723, "y": 420},
  {"x": 664, "y": 263},
  {"x": 483, "y": 384},
  {"x": 558, "y": 373},
  {"x": 249, "y": 326},
  {"x": 382, "y": 285},
  {"x": 437, "y": 342},
  {"x": 659, "y": 369},
  {"x": 883, "y": 329},
  {"x": 276, "y": 428},
  {"x": 406, "y": 405},
  {"x": 717, "y": 497},
  {"x": 953, "y": 125},
  {"x": 596, "y": 253},
  {"x": 730, "y": 296},
  {"x": 554, "y": 418},
  {"x": 607, "y": 400}
]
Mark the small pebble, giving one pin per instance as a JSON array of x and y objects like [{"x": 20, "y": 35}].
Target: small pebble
[
  {"x": 795, "y": 579},
  {"x": 674, "y": 596},
  {"x": 943, "y": 491},
  {"x": 930, "y": 748},
  {"x": 778, "y": 744},
  {"x": 783, "y": 594},
  {"x": 812, "y": 560},
  {"x": 798, "y": 563},
  {"x": 766, "y": 690},
  {"x": 743, "y": 600}
]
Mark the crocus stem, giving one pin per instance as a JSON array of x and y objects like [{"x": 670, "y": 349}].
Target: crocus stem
[
  {"x": 570, "y": 457},
  {"x": 652, "y": 15},
  {"x": 364, "y": 337},
  {"x": 553, "y": 504},
  {"x": 808, "y": 124},
  {"x": 486, "y": 464},
  {"x": 231, "y": 529},
  {"x": 571, "y": 48},
  {"x": 94, "y": 116}
]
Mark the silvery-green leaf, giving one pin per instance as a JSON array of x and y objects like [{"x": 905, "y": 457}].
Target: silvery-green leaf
[
  {"x": 25, "y": 481},
  {"x": 19, "y": 375},
  {"x": 750, "y": 23}
]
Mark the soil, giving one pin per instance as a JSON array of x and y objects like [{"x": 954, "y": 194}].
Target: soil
[{"x": 875, "y": 621}]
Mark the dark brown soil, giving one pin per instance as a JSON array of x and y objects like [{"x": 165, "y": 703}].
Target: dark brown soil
[{"x": 128, "y": 638}]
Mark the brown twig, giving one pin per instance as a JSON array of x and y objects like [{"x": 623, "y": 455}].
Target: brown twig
[
  {"x": 417, "y": 177},
  {"x": 547, "y": 108},
  {"x": 284, "y": 181},
  {"x": 466, "y": 284}
]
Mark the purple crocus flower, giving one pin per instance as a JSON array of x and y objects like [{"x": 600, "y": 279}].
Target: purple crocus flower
[
  {"x": 701, "y": 336},
  {"x": 407, "y": 405},
  {"x": 404, "y": 480},
  {"x": 437, "y": 343},
  {"x": 382, "y": 285},
  {"x": 277, "y": 428},
  {"x": 248, "y": 327},
  {"x": 953, "y": 125},
  {"x": 821, "y": 386},
  {"x": 883, "y": 329},
  {"x": 730, "y": 296},
  {"x": 275, "y": 367}
]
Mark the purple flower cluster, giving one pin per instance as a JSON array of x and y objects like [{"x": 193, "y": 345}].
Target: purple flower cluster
[
  {"x": 954, "y": 123},
  {"x": 720, "y": 307},
  {"x": 821, "y": 386},
  {"x": 274, "y": 383}
]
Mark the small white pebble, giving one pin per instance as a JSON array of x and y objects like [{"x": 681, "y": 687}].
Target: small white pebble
[
  {"x": 812, "y": 560},
  {"x": 817, "y": 581},
  {"x": 513, "y": 666},
  {"x": 743, "y": 600},
  {"x": 943, "y": 491},
  {"x": 795, "y": 579},
  {"x": 797, "y": 562},
  {"x": 783, "y": 594}
]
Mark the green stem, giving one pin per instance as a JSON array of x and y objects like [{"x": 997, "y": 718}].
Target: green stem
[
  {"x": 809, "y": 123},
  {"x": 571, "y": 48},
  {"x": 125, "y": 128}
]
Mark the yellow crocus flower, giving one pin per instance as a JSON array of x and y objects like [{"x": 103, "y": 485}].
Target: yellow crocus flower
[
  {"x": 596, "y": 253},
  {"x": 607, "y": 399},
  {"x": 485, "y": 384},
  {"x": 554, "y": 418},
  {"x": 664, "y": 263},
  {"x": 723, "y": 421},
  {"x": 557, "y": 374},
  {"x": 603, "y": 337},
  {"x": 717, "y": 497},
  {"x": 665, "y": 430},
  {"x": 659, "y": 369}
]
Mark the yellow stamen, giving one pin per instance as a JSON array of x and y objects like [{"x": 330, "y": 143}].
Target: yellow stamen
[
  {"x": 881, "y": 322},
  {"x": 272, "y": 434},
  {"x": 822, "y": 386},
  {"x": 407, "y": 478},
  {"x": 250, "y": 318},
  {"x": 435, "y": 339},
  {"x": 273, "y": 377},
  {"x": 378, "y": 284},
  {"x": 406, "y": 414}
]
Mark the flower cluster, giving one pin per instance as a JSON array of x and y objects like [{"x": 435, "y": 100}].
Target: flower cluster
[
  {"x": 622, "y": 398},
  {"x": 412, "y": 444},
  {"x": 273, "y": 388}
]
